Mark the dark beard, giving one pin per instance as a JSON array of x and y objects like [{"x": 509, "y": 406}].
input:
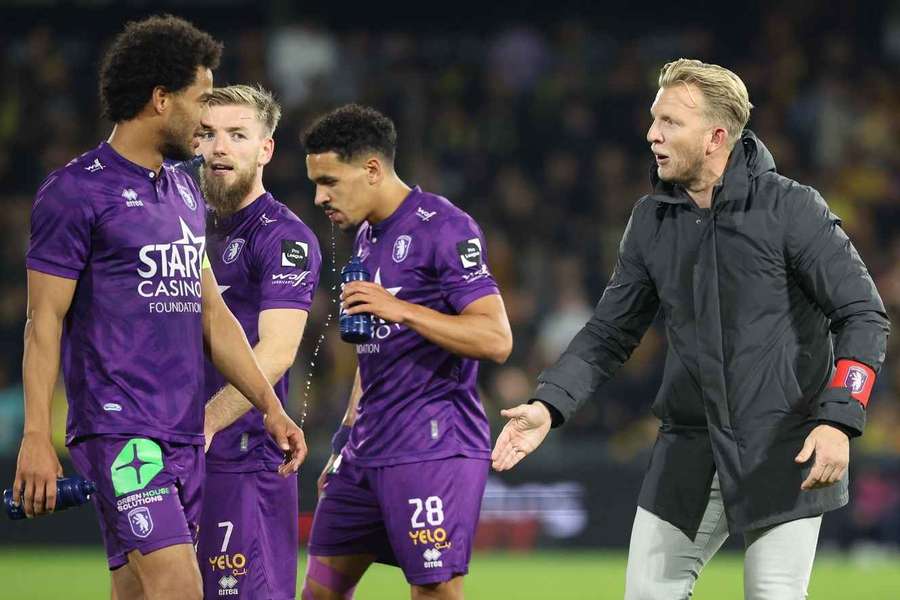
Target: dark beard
[
  {"x": 176, "y": 145},
  {"x": 174, "y": 150},
  {"x": 224, "y": 198}
]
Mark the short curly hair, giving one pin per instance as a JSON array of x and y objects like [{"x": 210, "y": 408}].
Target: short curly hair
[
  {"x": 350, "y": 131},
  {"x": 161, "y": 50}
]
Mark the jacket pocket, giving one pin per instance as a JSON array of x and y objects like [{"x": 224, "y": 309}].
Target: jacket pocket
[
  {"x": 793, "y": 398},
  {"x": 679, "y": 400}
]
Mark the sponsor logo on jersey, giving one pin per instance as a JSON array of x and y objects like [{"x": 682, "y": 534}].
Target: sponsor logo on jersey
[
  {"x": 480, "y": 273},
  {"x": 266, "y": 220},
  {"x": 469, "y": 253},
  {"x": 172, "y": 271},
  {"x": 94, "y": 166},
  {"x": 291, "y": 279},
  {"x": 424, "y": 214},
  {"x": 132, "y": 501},
  {"x": 224, "y": 562},
  {"x": 112, "y": 407},
  {"x": 430, "y": 537}
]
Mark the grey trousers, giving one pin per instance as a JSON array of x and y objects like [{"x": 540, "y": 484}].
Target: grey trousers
[{"x": 663, "y": 563}]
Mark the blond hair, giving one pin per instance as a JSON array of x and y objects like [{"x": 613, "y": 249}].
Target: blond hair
[
  {"x": 268, "y": 111},
  {"x": 727, "y": 100}
]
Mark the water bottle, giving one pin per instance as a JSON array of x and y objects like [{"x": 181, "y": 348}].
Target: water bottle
[
  {"x": 355, "y": 329},
  {"x": 70, "y": 491}
]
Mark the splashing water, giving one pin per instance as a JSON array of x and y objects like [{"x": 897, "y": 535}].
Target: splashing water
[{"x": 333, "y": 296}]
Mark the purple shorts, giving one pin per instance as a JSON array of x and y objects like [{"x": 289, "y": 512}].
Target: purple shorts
[
  {"x": 418, "y": 516},
  {"x": 249, "y": 536},
  {"x": 148, "y": 491}
]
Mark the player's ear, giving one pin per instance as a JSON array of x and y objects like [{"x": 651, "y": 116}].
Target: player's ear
[
  {"x": 374, "y": 170},
  {"x": 160, "y": 99},
  {"x": 266, "y": 151},
  {"x": 718, "y": 139}
]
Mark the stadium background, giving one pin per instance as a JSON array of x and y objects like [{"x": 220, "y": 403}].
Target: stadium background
[{"x": 532, "y": 118}]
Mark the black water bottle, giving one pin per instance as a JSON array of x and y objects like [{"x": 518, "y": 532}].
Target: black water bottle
[
  {"x": 70, "y": 491},
  {"x": 355, "y": 329}
]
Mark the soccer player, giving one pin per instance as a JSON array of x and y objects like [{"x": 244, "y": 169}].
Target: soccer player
[
  {"x": 120, "y": 293},
  {"x": 267, "y": 264},
  {"x": 775, "y": 332},
  {"x": 406, "y": 487}
]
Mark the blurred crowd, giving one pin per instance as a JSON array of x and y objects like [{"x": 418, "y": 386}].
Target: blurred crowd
[{"x": 538, "y": 130}]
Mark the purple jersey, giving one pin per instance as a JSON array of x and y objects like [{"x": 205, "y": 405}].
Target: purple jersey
[
  {"x": 419, "y": 401},
  {"x": 263, "y": 257},
  {"x": 132, "y": 341}
]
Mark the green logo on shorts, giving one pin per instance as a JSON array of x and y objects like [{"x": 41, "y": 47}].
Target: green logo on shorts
[{"x": 136, "y": 465}]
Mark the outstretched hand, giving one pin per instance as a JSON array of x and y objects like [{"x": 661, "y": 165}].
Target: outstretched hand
[{"x": 527, "y": 427}]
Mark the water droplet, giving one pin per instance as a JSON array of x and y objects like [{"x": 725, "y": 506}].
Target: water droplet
[{"x": 328, "y": 319}]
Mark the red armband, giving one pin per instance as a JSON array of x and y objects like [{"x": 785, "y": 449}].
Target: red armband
[{"x": 855, "y": 377}]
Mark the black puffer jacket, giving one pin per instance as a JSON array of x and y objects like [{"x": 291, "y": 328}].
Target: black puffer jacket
[{"x": 760, "y": 295}]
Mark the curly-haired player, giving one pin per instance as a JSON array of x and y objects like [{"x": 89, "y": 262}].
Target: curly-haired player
[{"x": 120, "y": 293}]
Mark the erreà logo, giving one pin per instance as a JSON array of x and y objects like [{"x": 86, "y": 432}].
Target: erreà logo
[{"x": 131, "y": 198}]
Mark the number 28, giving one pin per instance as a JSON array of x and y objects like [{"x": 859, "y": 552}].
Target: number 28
[{"x": 434, "y": 511}]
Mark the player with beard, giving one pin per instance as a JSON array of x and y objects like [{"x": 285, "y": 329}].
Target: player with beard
[
  {"x": 267, "y": 264},
  {"x": 120, "y": 293}
]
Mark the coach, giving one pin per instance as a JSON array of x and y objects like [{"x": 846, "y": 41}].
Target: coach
[{"x": 775, "y": 334}]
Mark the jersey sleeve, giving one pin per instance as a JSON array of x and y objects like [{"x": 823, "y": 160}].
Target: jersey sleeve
[
  {"x": 461, "y": 261},
  {"x": 289, "y": 261},
  {"x": 62, "y": 221}
]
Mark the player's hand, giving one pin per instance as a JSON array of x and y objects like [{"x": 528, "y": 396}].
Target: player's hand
[
  {"x": 527, "y": 427},
  {"x": 367, "y": 297},
  {"x": 289, "y": 438},
  {"x": 320, "y": 482},
  {"x": 36, "y": 471},
  {"x": 831, "y": 448}
]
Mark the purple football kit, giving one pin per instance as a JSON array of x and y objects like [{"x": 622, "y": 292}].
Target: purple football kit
[
  {"x": 264, "y": 258},
  {"x": 409, "y": 482},
  {"x": 132, "y": 341}
]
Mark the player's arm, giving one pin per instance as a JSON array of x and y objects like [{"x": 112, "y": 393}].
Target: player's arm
[
  {"x": 59, "y": 249},
  {"x": 231, "y": 354},
  {"x": 49, "y": 298},
  {"x": 343, "y": 433},
  {"x": 831, "y": 272},
  {"x": 621, "y": 317},
  {"x": 280, "y": 332},
  {"x": 481, "y": 331}
]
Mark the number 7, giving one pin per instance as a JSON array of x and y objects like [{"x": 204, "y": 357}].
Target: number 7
[{"x": 229, "y": 527}]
